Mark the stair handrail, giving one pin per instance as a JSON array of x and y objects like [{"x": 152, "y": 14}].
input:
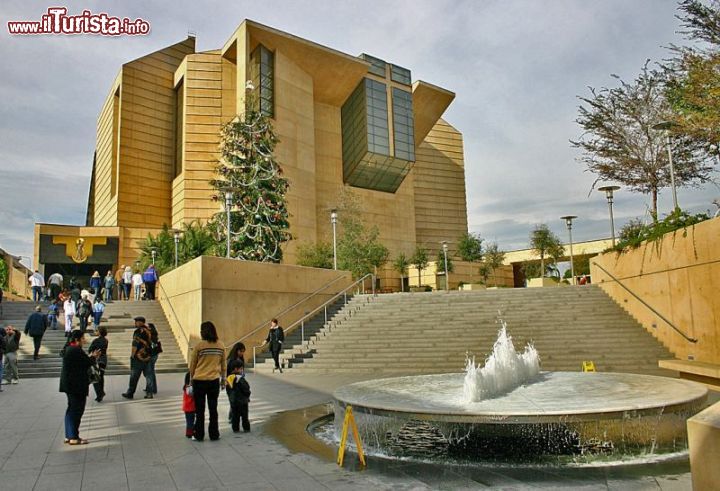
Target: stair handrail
[
  {"x": 662, "y": 317},
  {"x": 285, "y": 311},
  {"x": 177, "y": 319},
  {"x": 311, "y": 313}
]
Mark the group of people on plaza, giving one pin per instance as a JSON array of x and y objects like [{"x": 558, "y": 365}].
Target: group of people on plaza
[
  {"x": 210, "y": 371},
  {"x": 119, "y": 285}
]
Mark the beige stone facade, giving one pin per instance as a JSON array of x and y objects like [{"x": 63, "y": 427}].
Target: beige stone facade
[{"x": 158, "y": 137}]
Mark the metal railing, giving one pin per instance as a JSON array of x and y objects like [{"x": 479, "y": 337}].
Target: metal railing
[
  {"x": 662, "y": 317},
  {"x": 285, "y": 311},
  {"x": 311, "y": 313}
]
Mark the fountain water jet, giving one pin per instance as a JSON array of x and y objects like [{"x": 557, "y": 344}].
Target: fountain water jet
[{"x": 504, "y": 370}]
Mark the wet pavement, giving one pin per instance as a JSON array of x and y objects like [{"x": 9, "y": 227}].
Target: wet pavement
[{"x": 140, "y": 444}]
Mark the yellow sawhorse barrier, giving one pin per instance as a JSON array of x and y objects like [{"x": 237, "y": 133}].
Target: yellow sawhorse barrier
[
  {"x": 350, "y": 422},
  {"x": 588, "y": 366}
]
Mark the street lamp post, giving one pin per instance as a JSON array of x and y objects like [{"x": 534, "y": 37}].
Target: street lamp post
[
  {"x": 228, "y": 204},
  {"x": 176, "y": 234},
  {"x": 153, "y": 252},
  {"x": 665, "y": 126},
  {"x": 568, "y": 221},
  {"x": 333, "y": 220},
  {"x": 609, "y": 190},
  {"x": 445, "y": 251}
]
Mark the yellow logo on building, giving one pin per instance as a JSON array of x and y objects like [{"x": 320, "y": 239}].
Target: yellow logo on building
[{"x": 79, "y": 249}]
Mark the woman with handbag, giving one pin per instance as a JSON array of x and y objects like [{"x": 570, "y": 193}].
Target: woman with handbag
[
  {"x": 275, "y": 337},
  {"x": 100, "y": 344},
  {"x": 74, "y": 381}
]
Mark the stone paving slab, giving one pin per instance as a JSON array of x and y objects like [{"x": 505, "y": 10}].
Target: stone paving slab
[{"x": 140, "y": 445}]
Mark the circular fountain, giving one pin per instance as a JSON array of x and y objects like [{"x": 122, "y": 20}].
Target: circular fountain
[{"x": 510, "y": 410}]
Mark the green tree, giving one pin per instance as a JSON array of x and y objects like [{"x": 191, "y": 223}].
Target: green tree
[
  {"x": 693, "y": 85},
  {"x": 493, "y": 259},
  {"x": 3, "y": 274},
  {"x": 531, "y": 269},
  {"x": 469, "y": 247},
  {"x": 401, "y": 264},
  {"x": 315, "y": 255},
  {"x": 619, "y": 143},
  {"x": 546, "y": 244},
  {"x": 196, "y": 240},
  {"x": 420, "y": 261},
  {"x": 259, "y": 216}
]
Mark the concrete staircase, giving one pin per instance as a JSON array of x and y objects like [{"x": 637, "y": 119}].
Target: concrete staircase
[
  {"x": 118, "y": 318},
  {"x": 432, "y": 332}
]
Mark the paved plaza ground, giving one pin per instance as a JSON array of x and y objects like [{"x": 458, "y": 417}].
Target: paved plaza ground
[{"x": 140, "y": 444}]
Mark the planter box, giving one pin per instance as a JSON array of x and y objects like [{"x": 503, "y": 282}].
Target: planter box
[
  {"x": 540, "y": 282},
  {"x": 417, "y": 289}
]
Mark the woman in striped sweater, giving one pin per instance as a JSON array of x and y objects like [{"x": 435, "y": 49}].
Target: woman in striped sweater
[{"x": 207, "y": 375}]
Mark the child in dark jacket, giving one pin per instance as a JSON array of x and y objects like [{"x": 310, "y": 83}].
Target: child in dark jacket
[
  {"x": 188, "y": 407},
  {"x": 238, "y": 391}
]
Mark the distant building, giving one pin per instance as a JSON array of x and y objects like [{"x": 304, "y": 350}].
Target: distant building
[{"x": 341, "y": 121}]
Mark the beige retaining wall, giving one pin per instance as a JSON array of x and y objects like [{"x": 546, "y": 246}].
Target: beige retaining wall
[
  {"x": 238, "y": 295},
  {"x": 679, "y": 277}
]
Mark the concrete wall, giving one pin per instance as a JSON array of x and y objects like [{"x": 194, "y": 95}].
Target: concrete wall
[
  {"x": 704, "y": 441},
  {"x": 679, "y": 277},
  {"x": 463, "y": 272},
  {"x": 237, "y": 296}
]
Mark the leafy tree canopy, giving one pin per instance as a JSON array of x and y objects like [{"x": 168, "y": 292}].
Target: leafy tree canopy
[{"x": 469, "y": 247}]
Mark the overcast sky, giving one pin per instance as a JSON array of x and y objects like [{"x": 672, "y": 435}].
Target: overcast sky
[{"x": 516, "y": 66}]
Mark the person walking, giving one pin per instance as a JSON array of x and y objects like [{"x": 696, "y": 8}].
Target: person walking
[
  {"x": 127, "y": 281},
  {"x": 55, "y": 283},
  {"x": 119, "y": 281},
  {"x": 275, "y": 337},
  {"x": 207, "y": 375},
  {"x": 35, "y": 327},
  {"x": 137, "y": 283},
  {"x": 69, "y": 313},
  {"x": 150, "y": 279},
  {"x": 155, "y": 350},
  {"x": 84, "y": 311},
  {"x": 109, "y": 283},
  {"x": 74, "y": 383},
  {"x": 100, "y": 344},
  {"x": 12, "y": 344},
  {"x": 96, "y": 282},
  {"x": 37, "y": 283},
  {"x": 139, "y": 359},
  {"x": 53, "y": 311},
  {"x": 98, "y": 309}
]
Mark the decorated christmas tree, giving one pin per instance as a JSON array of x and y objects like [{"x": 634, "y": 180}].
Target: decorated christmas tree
[{"x": 248, "y": 173}]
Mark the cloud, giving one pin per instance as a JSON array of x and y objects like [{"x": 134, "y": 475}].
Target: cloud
[{"x": 516, "y": 66}]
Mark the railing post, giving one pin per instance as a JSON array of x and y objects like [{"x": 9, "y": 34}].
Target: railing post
[
  {"x": 325, "y": 313},
  {"x": 373, "y": 285},
  {"x": 254, "y": 361},
  {"x": 345, "y": 296}
]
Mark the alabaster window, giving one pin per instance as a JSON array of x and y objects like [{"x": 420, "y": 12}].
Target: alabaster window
[{"x": 262, "y": 75}]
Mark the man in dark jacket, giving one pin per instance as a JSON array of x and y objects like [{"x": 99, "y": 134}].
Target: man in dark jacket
[
  {"x": 140, "y": 356},
  {"x": 74, "y": 382},
  {"x": 35, "y": 328}
]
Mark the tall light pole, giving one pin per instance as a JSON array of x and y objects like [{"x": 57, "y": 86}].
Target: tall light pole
[
  {"x": 333, "y": 220},
  {"x": 153, "y": 252},
  {"x": 445, "y": 250},
  {"x": 176, "y": 234},
  {"x": 665, "y": 126},
  {"x": 568, "y": 221},
  {"x": 609, "y": 190},
  {"x": 228, "y": 204}
]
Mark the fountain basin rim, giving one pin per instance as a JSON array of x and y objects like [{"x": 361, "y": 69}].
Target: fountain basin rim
[{"x": 519, "y": 407}]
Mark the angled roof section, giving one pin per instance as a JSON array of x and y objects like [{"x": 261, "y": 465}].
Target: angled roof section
[
  {"x": 335, "y": 74},
  {"x": 429, "y": 104}
]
